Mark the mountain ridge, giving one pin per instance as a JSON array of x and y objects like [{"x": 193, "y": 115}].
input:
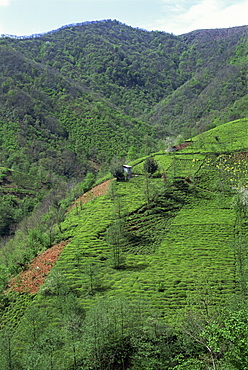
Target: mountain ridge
[{"x": 120, "y": 33}]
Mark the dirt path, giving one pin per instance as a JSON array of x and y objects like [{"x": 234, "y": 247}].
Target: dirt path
[{"x": 30, "y": 280}]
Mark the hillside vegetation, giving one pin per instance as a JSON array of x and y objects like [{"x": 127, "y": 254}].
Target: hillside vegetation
[
  {"x": 74, "y": 99},
  {"x": 155, "y": 272},
  {"x": 152, "y": 274},
  {"x": 136, "y": 70}
]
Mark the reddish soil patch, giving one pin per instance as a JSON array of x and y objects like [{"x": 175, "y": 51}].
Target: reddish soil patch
[
  {"x": 30, "y": 280},
  {"x": 182, "y": 145}
]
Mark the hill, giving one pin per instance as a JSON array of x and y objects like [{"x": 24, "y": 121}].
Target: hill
[
  {"x": 150, "y": 269},
  {"x": 74, "y": 99},
  {"x": 148, "y": 272},
  {"x": 216, "y": 91},
  {"x": 191, "y": 77}
]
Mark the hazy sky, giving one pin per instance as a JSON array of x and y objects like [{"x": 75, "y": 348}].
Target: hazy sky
[{"x": 26, "y": 17}]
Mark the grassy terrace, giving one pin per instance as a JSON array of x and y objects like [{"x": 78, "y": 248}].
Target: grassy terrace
[
  {"x": 180, "y": 246},
  {"x": 231, "y": 136},
  {"x": 174, "y": 248},
  {"x": 196, "y": 247},
  {"x": 176, "y": 243}
]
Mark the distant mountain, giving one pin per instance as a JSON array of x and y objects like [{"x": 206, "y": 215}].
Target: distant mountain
[
  {"x": 154, "y": 75},
  {"x": 49, "y": 104},
  {"x": 133, "y": 68}
]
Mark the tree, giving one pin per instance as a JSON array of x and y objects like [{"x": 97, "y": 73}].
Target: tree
[
  {"x": 7, "y": 357},
  {"x": 115, "y": 234},
  {"x": 148, "y": 146},
  {"x": 224, "y": 336},
  {"x": 41, "y": 353},
  {"x": 150, "y": 165},
  {"x": 92, "y": 272},
  {"x": 147, "y": 189},
  {"x": 115, "y": 238},
  {"x": 240, "y": 252},
  {"x": 233, "y": 333},
  {"x": 118, "y": 172},
  {"x": 107, "y": 331},
  {"x": 202, "y": 332},
  {"x": 58, "y": 213}
]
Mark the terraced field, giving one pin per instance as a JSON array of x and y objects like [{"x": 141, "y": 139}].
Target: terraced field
[
  {"x": 178, "y": 245},
  {"x": 178, "y": 237}
]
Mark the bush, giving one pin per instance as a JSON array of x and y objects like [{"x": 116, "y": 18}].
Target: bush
[
  {"x": 150, "y": 165},
  {"x": 118, "y": 172}
]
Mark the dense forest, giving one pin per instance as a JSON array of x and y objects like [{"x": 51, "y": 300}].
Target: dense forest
[{"x": 153, "y": 271}]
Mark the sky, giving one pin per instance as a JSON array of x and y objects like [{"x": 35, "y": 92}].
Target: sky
[{"x": 26, "y": 17}]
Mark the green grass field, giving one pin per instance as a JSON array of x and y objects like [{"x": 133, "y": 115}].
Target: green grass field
[
  {"x": 180, "y": 241},
  {"x": 177, "y": 241}
]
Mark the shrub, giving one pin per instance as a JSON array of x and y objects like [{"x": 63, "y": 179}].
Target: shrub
[
  {"x": 118, "y": 172},
  {"x": 150, "y": 165}
]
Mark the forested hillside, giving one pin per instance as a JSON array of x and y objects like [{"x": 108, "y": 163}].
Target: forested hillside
[
  {"x": 217, "y": 90},
  {"x": 136, "y": 69}
]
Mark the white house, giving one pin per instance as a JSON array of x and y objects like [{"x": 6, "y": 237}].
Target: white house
[{"x": 128, "y": 171}]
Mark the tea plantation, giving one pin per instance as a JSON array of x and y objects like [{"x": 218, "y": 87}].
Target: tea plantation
[{"x": 163, "y": 243}]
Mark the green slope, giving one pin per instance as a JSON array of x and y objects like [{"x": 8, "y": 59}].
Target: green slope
[
  {"x": 228, "y": 137},
  {"x": 180, "y": 244}
]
